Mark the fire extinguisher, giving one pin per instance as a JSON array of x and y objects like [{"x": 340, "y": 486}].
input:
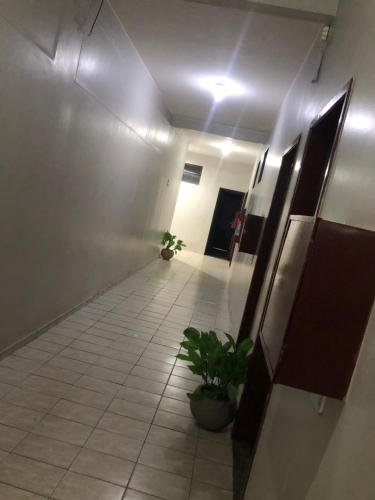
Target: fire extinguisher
[{"x": 237, "y": 224}]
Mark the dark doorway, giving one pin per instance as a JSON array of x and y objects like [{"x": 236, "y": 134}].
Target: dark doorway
[
  {"x": 318, "y": 155},
  {"x": 220, "y": 236},
  {"x": 257, "y": 390},
  {"x": 268, "y": 237},
  {"x": 317, "y": 159}
]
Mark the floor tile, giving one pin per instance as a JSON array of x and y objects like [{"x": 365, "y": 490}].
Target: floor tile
[
  {"x": 175, "y": 406},
  {"x": 35, "y": 354},
  {"x": 46, "y": 346},
  {"x": 114, "y": 444},
  {"x": 63, "y": 430},
  {"x": 144, "y": 384},
  {"x": 201, "y": 491},
  {"x": 11, "y": 376},
  {"x": 120, "y": 366},
  {"x": 88, "y": 397},
  {"x": 159, "y": 356},
  {"x": 167, "y": 459},
  {"x": 107, "y": 374},
  {"x": 123, "y": 425},
  {"x": 22, "y": 364},
  {"x": 166, "y": 341},
  {"x": 155, "y": 365},
  {"x": 182, "y": 383},
  {"x": 213, "y": 473},
  {"x": 46, "y": 385},
  {"x": 47, "y": 450},
  {"x": 215, "y": 451},
  {"x": 170, "y": 351},
  {"x": 31, "y": 399},
  {"x": 176, "y": 393},
  {"x": 29, "y": 474},
  {"x": 10, "y": 437},
  {"x": 56, "y": 373},
  {"x": 109, "y": 369},
  {"x": 70, "y": 364},
  {"x": 137, "y": 495},
  {"x": 137, "y": 396},
  {"x": 79, "y": 487},
  {"x": 148, "y": 374},
  {"x": 97, "y": 385},
  {"x": 175, "y": 422},
  {"x": 5, "y": 388},
  {"x": 11, "y": 493},
  {"x": 132, "y": 410},
  {"x": 16, "y": 416},
  {"x": 220, "y": 437},
  {"x": 160, "y": 483},
  {"x": 101, "y": 466},
  {"x": 73, "y": 353},
  {"x": 172, "y": 439},
  {"x": 185, "y": 373},
  {"x": 76, "y": 412}
]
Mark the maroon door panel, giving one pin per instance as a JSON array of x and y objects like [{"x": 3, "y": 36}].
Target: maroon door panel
[{"x": 330, "y": 312}]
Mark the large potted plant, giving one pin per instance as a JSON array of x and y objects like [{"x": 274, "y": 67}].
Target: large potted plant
[
  {"x": 223, "y": 368},
  {"x": 171, "y": 246}
]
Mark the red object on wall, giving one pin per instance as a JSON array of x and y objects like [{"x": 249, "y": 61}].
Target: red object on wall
[{"x": 326, "y": 310}]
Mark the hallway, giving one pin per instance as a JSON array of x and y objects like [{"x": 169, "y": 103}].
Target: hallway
[{"x": 96, "y": 408}]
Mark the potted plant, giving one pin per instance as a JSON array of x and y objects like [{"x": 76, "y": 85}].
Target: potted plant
[
  {"x": 223, "y": 368},
  {"x": 171, "y": 246}
]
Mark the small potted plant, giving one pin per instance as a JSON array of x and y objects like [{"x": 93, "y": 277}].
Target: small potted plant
[
  {"x": 171, "y": 246},
  {"x": 223, "y": 368}
]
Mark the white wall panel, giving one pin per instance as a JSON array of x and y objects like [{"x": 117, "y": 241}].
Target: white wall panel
[{"x": 83, "y": 197}]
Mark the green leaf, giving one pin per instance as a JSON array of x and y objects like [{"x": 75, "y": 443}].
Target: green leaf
[
  {"x": 192, "y": 334},
  {"x": 231, "y": 341},
  {"x": 232, "y": 392},
  {"x": 183, "y": 357}
]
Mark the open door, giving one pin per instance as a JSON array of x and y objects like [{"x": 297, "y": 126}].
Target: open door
[{"x": 228, "y": 203}]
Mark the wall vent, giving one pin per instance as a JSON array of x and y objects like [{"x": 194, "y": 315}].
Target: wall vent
[{"x": 192, "y": 173}]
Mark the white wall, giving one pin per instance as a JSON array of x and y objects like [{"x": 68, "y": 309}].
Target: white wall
[
  {"x": 196, "y": 203},
  {"x": 86, "y": 152},
  {"x": 303, "y": 455}
]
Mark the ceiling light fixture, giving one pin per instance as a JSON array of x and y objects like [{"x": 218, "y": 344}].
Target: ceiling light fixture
[
  {"x": 221, "y": 88},
  {"x": 226, "y": 147}
]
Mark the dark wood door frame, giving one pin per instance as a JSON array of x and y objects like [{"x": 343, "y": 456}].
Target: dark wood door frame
[
  {"x": 268, "y": 236},
  {"x": 244, "y": 440},
  {"x": 257, "y": 280}
]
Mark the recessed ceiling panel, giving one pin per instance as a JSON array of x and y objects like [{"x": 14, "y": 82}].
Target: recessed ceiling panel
[{"x": 184, "y": 42}]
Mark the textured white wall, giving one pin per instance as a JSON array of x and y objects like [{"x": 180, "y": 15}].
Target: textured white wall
[
  {"x": 303, "y": 455},
  {"x": 196, "y": 203},
  {"x": 86, "y": 153}
]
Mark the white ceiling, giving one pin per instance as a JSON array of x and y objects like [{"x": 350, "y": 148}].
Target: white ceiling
[
  {"x": 181, "y": 42},
  {"x": 212, "y": 144}
]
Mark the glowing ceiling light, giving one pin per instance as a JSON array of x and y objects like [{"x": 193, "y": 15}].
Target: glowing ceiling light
[
  {"x": 226, "y": 147},
  {"x": 221, "y": 88}
]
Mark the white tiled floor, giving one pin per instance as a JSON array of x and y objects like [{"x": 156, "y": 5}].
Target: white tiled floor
[{"x": 96, "y": 407}]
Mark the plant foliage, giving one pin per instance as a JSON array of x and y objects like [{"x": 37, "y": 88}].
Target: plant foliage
[
  {"x": 222, "y": 365},
  {"x": 169, "y": 242}
]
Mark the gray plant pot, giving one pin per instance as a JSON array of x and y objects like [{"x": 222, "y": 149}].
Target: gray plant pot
[
  {"x": 167, "y": 254},
  {"x": 212, "y": 415}
]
